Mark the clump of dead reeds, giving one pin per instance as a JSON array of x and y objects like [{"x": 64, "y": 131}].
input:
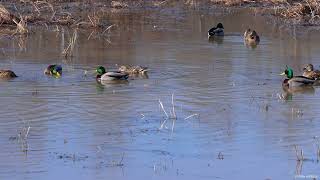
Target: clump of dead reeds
[
  {"x": 22, "y": 27},
  {"x": 94, "y": 21},
  {"x": 229, "y": 2},
  {"x": 119, "y": 4},
  {"x": 68, "y": 51},
  {"x": 5, "y": 16},
  {"x": 308, "y": 10}
]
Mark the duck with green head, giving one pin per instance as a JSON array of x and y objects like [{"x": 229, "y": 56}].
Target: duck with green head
[
  {"x": 216, "y": 31},
  {"x": 7, "y": 74},
  {"x": 295, "y": 81},
  {"x": 102, "y": 75},
  {"x": 53, "y": 70}
]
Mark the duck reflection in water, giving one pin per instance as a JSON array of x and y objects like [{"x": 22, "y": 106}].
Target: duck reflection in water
[
  {"x": 102, "y": 85},
  {"x": 290, "y": 92},
  {"x": 113, "y": 83},
  {"x": 215, "y": 39},
  {"x": 139, "y": 76}
]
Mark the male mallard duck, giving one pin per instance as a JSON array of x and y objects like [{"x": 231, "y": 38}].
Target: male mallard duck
[
  {"x": 133, "y": 69},
  {"x": 251, "y": 37},
  {"x": 295, "y": 81},
  {"x": 102, "y": 75},
  {"x": 53, "y": 70},
  {"x": 216, "y": 31},
  {"x": 309, "y": 72},
  {"x": 6, "y": 74}
]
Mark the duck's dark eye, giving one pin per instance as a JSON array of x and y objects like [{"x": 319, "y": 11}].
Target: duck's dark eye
[{"x": 286, "y": 71}]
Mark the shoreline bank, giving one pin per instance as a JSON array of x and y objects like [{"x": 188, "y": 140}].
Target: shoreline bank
[{"x": 16, "y": 16}]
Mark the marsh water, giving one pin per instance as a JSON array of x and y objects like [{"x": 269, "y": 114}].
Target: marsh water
[{"x": 233, "y": 120}]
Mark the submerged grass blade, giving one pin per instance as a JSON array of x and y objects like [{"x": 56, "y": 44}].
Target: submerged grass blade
[{"x": 161, "y": 105}]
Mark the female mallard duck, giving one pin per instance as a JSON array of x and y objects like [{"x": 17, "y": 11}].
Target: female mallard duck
[
  {"x": 53, "y": 70},
  {"x": 216, "y": 31},
  {"x": 6, "y": 74},
  {"x": 251, "y": 37},
  {"x": 295, "y": 81},
  {"x": 133, "y": 69},
  {"x": 309, "y": 72},
  {"x": 102, "y": 75}
]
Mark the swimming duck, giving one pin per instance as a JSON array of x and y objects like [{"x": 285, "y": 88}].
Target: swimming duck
[
  {"x": 102, "y": 75},
  {"x": 251, "y": 37},
  {"x": 53, "y": 70},
  {"x": 309, "y": 72},
  {"x": 133, "y": 69},
  {"x": 6, "y": 74},
  {"x": 295, "y": 81},
  {"x": 216, "y": 31}
]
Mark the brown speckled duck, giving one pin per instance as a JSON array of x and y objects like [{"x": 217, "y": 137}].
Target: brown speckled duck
[
  {"x": 309, "y": 72},
  {"x": 6, "y": 74},
  {"x": 133, "y": 69},
  {"x": 251, "y": 37}
]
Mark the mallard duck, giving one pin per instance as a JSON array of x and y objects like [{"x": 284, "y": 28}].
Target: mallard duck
[
  {"x": 251, "y": 37},
  {"x": 133, "y": 69},
  {"x": 309, "y": 72},
  {"x": 295, "y": 81},
  {"x": 102, "y": 75},
  {"x": 216, "y": 31},
  {"x": 6, "y": 74},
  {"x": 53, "y": 70}
]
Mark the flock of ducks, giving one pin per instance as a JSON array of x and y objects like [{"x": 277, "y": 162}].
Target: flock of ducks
[
  {"x": 251, "y": 37},
  {"x": 309, "y": 77},
  {"x": 55, "y": 70}
]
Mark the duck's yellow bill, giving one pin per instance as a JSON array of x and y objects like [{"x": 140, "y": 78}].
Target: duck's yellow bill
[
  {"x": 282, "y": 74},
  {"x": 58, "y": 74}
]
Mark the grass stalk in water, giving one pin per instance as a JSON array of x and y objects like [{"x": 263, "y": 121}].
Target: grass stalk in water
[
  {"x": 172, "y": 116},
  {"x": 68, "y": 51},
  {"x": 299, "y": 153}
]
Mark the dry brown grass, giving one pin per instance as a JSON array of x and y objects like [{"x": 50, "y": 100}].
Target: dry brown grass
[
  {"x": 90, "y": 13},
  {"x": 22, "y": 27},
  {"x": 9, "y": 18},
  {"x": 119, "y": 4},
  {"x": 68, "y": 51},
  {"x": 308, "y": 10},
  {"x": 5, "y": 16}
]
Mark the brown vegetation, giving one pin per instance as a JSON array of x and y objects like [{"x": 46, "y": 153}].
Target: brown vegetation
[
  {"x": 15, "y": 16},
  {"x": 305, "y": 11}
]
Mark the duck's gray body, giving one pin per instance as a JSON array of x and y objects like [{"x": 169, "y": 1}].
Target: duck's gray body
[
  {"x": 298, "y": 81},
  {"x": 114, "y": 75},
  {"x": 215, "y": 31}
]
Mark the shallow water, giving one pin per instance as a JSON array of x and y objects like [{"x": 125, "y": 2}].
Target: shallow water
[{"x": 234, "y": 121}]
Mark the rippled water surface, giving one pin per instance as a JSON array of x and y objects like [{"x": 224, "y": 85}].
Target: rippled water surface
[{"x": 234, "y": 121}]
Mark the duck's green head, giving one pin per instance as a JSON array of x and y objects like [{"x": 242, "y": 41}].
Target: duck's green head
[
  {"x": 288, "y": 72},
  {"x": 100, "y": 70},
  {"x": 56, "y": 70}
]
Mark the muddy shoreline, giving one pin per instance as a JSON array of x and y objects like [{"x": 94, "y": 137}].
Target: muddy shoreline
[{"x": 16, "y": 16}]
